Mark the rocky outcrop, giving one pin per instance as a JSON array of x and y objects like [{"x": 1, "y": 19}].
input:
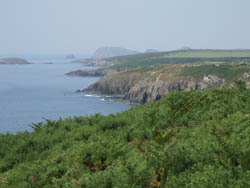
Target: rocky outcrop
[
  {"x": 144, "y": 91},
  {"x": 91, "y": 73},
  {"x": 117, "y": 84},
  {"x": 13, "y": 61},
  {"x": 142, "y": 88},
  {"x": 106, "y": 52},
  {"x": 95, "y": 62}
]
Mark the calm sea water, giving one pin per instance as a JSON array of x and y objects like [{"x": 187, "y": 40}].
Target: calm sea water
[{"x": 29, "y": 93}]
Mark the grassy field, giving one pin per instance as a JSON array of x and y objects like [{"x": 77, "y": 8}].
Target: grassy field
[
  {"x": 180, "y": 57},
  {"x": 227, "y": 72},
  {"x": 209, "y": 53}
]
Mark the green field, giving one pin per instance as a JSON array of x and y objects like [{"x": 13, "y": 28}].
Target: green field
[
  {"x": 180, "y": 57},
  {"x": 227, "y": 72},
  {"x": 209, "y": 53},
  {"x": 188, "y": 139}
]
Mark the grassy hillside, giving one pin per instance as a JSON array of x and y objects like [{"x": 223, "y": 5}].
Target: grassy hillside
[
  {"x": 188, "y": 139},
  {"x": 227, "y": 72},
  {"x": 180, "y": 57}
]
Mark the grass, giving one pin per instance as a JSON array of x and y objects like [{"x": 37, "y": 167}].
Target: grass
[
  {"x": 142, "y": 69},
  {"x": 227, "y": 72},
  {"x": 180, "y": 57}
]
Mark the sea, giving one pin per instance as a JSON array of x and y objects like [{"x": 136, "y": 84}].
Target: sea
[{"x": 35, "y": 92}]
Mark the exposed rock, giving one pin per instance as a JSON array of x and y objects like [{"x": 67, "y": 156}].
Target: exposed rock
[
  {"x": 246, "y": 75},
  {"x": 106, "y": 52},
  {"x": 135, "y": 88},
  {"x": 13, "y": 61},
  {"x": 115, "y": 84},
  {"x": 91, "y": 73}
]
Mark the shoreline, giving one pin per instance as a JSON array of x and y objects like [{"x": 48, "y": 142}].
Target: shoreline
[{"x": 115, "y": 98}]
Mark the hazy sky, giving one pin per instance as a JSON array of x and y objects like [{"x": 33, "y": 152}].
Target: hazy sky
[{"x": 81, "y": 26}]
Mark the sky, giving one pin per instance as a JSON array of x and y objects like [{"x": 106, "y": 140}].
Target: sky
[{"x": 82, "y": 26}]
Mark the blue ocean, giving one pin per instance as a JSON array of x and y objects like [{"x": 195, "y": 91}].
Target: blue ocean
[{"x": 34, "y": 92}]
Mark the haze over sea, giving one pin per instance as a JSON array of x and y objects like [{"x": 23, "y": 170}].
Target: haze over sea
[{"x": 31, "y": 93}]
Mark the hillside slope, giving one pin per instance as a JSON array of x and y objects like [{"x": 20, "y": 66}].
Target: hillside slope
[
  {"x": 179, "y": 57},
  {"x": 147, "y": 84},
  {"x": 188, "y": 139},
  {"x": 168, "y": 57},
  {"x": 148, "y": 77},
  {"x": 106, "y": 52}
]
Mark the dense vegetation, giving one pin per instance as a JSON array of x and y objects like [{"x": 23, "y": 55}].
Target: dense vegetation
[
  {"x": 188, "y": 139},
  {"x": 180, "y": 57}
]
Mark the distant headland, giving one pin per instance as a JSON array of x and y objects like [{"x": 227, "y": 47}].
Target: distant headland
[{"x": 14, "y": 61}]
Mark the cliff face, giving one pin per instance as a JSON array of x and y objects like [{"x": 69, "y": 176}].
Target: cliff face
[
  {"x": 141, "y": 87},
  {"x": 145, "y": 91},
  {"x": 117, "y": 84}
]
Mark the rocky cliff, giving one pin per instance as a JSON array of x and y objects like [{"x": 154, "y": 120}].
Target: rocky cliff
[
  {"x": 142, "y": 87},
  {"x": 90, "y": 73}
]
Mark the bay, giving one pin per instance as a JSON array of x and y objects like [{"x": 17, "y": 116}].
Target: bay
[{"x": 31, "y": 93}]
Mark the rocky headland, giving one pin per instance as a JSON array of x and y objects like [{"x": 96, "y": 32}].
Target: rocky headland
[
  {"x": 90, "y": 73},
  {"x": 107, "y": 52},
  {"x": 146, "y": 77},
  {"x": 102, "y": 56},
  {"x": 14, "y": 61},
  {"x": 138, "y": 86},
  {"x": 93, "y": 62}
]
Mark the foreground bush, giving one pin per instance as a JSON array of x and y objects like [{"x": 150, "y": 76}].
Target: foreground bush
[{"x": 188, "y": 139}]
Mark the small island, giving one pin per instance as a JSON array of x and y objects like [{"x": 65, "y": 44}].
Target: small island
[
  {"x": 70, "y": 56},
  {"x": 91, "y": 73},
  {"x": 14, "y": 61}
]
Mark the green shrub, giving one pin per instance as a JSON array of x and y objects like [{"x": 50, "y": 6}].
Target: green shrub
[{"x": 187, "y": 139}]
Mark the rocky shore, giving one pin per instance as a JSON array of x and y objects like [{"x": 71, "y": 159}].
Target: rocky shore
[
  {"x": 137, "y": 89},
  {"x": 91, "y": 73},
  {"x": 143, "y": 87}
]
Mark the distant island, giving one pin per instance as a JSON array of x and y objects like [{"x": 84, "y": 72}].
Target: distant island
[
  {"x": 14, "y": 61},
  {"x": 151, "y": 51},
  {"x": 101, "y": 54},
  {"x": 106, "y": 52},
  {"x": 70, "y": 56}
]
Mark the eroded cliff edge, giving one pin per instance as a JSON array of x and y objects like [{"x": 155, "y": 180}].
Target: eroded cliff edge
[{"x": 150, "y": 84}]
